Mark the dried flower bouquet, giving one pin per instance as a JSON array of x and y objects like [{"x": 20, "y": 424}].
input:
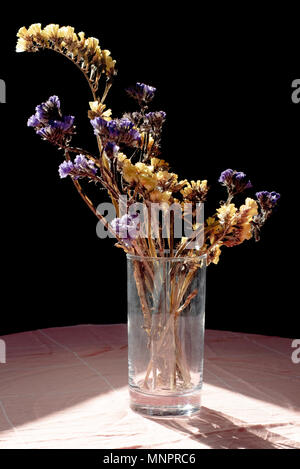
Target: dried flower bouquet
[{"x": 129, "y": 164}]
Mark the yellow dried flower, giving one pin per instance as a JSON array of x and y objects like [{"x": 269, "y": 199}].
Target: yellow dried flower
[
  {"x": 238, "y": 223},
  {"x": 246, "y": 214},
  {"x": 249, "y": 210},
  {"x": 164, "y": 176},
  {"x": 169, "y": 181},
  {"x": 210, "y": 221},
  {"x": 159, "y": 164},
  {"x": 98, "y": 110},
  {"x": 92, "y": 44},
  {"x": 195, "y": 191},
  {"x": 108, "y": 62},
  {"x": 85, "y": 52},
  {"x": 227, "y": 214},
  {"x": 143, "y": 167},
  {"x": 130, "y": 172},
  {"x": 67, "y": 33},
  {"x": 178, "y": 186},
  {"x": 35, "y": 30},
  {"x": 51, "y": 32},
  {"x": 157, "y": 196},
  {"x": 28, "y": 37},
  {"x": 23, "y": 33},
  {"x": 146, "y": 177},
  {"x": 140, "y": 173},
  {"x": 22, "y": 45},
  {"x": 214, "y": 254},
  {"x": 121, "y": 157}
]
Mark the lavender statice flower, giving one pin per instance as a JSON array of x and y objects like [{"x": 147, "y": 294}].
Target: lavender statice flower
[
  {"x": 54, "y": 135},
  {"x": 49, "y": 122},
  {"x": 226, "y": 176},
  {"x": 65, "y": 124},
  {"x": 126, "y": 227},
  {"x": 82, "y": 167},
  {"x": 65, "y": 169},
  {"x": 33, "y": 121},
  {"x": 156, "y": 120},
  {"x": 111, "y": 149},
  {"x": 100, "y": 127},
  {"x": 235, "y": 181},
  {"x": 84, "y": 164},
  {"x": 141, "y": 93},
  {"x": 117, "y": 131},
  {"x": 49, "y": 110},
  {"x": 267, "y": 200},
  {"x": 156, "y": 117},
  {"x": 135, "y": 117},
  {"x": 128, "y": 134}
]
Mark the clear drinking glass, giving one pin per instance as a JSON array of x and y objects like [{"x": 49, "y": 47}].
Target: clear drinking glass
[{"x": 166, "y": 310}]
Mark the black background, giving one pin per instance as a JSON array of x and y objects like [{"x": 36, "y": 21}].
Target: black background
[{"x": 225, "y": 83}]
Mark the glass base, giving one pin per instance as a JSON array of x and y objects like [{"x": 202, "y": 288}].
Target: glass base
[{"x": 165, "y": 406}]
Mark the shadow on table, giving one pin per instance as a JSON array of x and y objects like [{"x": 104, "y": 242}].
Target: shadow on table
[{"x": 214, "y": 430}]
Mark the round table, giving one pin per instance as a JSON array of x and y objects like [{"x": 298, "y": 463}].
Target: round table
[{"x": 66, "y": 387}]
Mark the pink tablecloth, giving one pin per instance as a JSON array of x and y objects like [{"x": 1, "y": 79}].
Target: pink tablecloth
[{"x": 67, "y": 388}]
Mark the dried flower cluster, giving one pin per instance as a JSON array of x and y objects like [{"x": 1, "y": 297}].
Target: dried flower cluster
[
  {"x": 84, "y": 52},
  {"x": 129, "y": 164},
  {"x": 129, "y": 161}
]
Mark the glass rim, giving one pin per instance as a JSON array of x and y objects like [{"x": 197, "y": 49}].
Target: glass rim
[{"x": 167, "y": 259}]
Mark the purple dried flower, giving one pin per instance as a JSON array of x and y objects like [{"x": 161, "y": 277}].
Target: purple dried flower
[
  {"x": 226, "y": 176},
  {"x": 242, "y": 181},
  {"x": 235, "y": 181},
  {"x": 155, "y": 120},
  {"x": 55, "y": 101},
  {"x": 33, "y": 121},
  {"x": 131, "y": 138},
  {"x": 50, "y": 110},
  {"x": 52, "y": 134},
  {"x": 49, "y": 123},
  {"x": 157, "y": 116},
  {"x": 65, "y": 124},
  {"x": 111, "y": 149},
  {"x": 117, "y": 131},
  {"x": 142, "y": 93},
  {"x": 125, "y": 124},
  {"x": 84, "y": 164},
  {"x": 99, "y": 124},
  {"x": 57, "y": 131},
  {"x": 106, "y": 130},
  {"x": 65, "y": 169},
  {"x": 267, "y": 200},
  {"x": 82, "y": 167},
  {"x": 126, "y": 227}
]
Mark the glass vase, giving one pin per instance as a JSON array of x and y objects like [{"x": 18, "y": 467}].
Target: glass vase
[{"x": 166, "y": 310}]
